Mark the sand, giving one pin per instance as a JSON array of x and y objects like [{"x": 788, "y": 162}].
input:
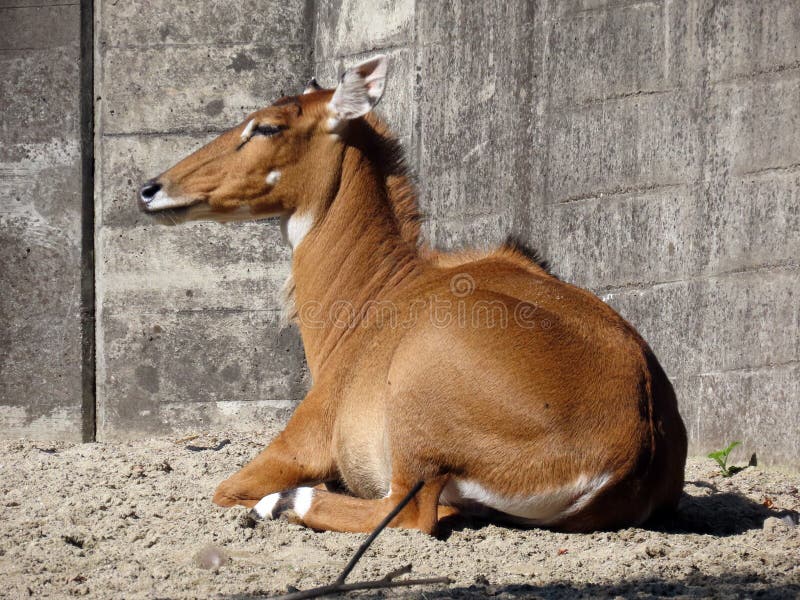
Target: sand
[{"x": 134, "y": 520}]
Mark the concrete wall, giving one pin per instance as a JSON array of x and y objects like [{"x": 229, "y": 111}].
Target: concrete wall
[
  {"x": 187, "y": 317},
  {"x": 40, "y": 220},
  {"x": 651, "y": 150}
]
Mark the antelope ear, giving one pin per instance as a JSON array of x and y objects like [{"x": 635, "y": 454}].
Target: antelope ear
[
  {"x": 312, "y": 86},
  {"x": 360, "y": 88}
]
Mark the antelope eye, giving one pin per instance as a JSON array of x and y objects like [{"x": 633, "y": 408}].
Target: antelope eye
[{"x": 268, "y": 130}]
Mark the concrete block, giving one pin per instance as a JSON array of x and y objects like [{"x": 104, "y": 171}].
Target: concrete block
[
  {"x": 751, "y": 118},
  {"x": 39, "y": 89},
  {"x": 40, "y": 338},
  {"x": 673, "y": 234},
  {"x": 40, "y": 310},
  {"x": 459, "y": 24},
  {"x": 742, "y": 38},
  {"x": 203, "y": 266},
  {"x": 632, "y": 239},
  {"x": 751, "y": 222},
  {"x": 176, "y": 88},
  {"x": 630, "y": 144},
  {"x": 348, "y": 27},
  {"x": 484, "y": 232},
  {"x": 39, "y": 27},
  {"x": 39, "y": 184},
  {"x": 561, "y": 8},
  {"x": 738, "y": 321},
  {"x": 755, "y": 406},
  {"x": 158, "y": 373},
  {"x": 207, "y": 23},
  {"x": 601, "y": 65},
  {"x": 10, "y": 4},
  {"x": 40, "y": 300}
]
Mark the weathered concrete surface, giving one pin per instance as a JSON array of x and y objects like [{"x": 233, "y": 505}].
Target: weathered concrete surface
[
  {"x": 650, "y": 149},
  {"x": 188, "y": 330},
  {"x": 40, "y": 239}
]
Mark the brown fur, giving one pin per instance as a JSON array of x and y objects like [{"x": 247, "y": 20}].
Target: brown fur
[{"x": 521, "y": 409}]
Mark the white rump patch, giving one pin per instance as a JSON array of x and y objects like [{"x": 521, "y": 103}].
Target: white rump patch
[
  {"x": 248, "y": 130},
  {"x": 543, "y": 508},
  {"x": 273, "y": 177}
]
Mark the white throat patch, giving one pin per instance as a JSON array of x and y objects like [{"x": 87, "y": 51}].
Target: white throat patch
[
  {"x": 294, "y": 229},
  {"x": 297, "y": 227}
]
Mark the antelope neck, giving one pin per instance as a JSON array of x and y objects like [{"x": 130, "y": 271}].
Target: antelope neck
[{"x": 354, "y": 256}]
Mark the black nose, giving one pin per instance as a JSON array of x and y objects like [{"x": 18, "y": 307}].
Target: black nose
[{"x": 149, "y": 190}]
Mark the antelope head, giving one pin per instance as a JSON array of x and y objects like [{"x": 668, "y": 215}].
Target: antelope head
[{"x": 282, "y": 160}]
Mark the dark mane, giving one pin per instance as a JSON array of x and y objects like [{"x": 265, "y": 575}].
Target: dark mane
[
  {"x": 382, "y": 144},
  {"x": 515, "y": 243}
]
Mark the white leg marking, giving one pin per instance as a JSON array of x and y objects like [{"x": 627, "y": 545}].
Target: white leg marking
[
  {"x": 543, "y": 508},
  {"x": 302, "y": 500},
  {"x": 264, "y": 507},
  {"x": 273, "y": 177},
  {"x": 298, "y": 227}
]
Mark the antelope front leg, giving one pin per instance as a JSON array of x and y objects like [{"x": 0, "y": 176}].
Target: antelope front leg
[
  {"x": 301, "y": 454},
  {"x": 323, "y": 510}
]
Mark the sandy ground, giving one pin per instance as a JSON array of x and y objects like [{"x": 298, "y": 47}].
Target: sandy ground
[{"x": 128, "y": 520}]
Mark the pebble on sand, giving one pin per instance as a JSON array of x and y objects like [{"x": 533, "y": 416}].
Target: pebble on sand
[{"x": 211, "y": 557}]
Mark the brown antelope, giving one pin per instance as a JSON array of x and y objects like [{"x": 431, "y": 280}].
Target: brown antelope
[{"x": 502, "y": 388}]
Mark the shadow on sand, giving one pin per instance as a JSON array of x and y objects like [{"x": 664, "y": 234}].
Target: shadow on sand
[
  {"x": 734, "y": 585},
  {"x": 727, "y": 585},
  {"x": 718, "y": 514}
]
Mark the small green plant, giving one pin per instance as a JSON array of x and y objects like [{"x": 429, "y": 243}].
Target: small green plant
[{"x": 721, "y": 456}]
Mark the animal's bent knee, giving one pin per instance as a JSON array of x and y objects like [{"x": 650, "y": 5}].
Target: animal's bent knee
[{"x": 223, "y": 497}]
